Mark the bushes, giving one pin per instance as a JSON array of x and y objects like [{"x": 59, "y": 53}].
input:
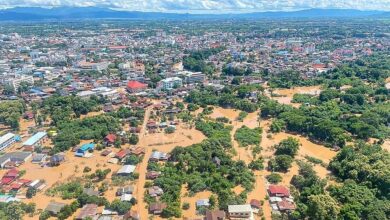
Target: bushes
[
  {"x": 304, "y": 98},
  {"x": 285, "y": 153},
  {"x": 228, "y": 99},
  {"x": 68, "y": 210},
  {"x": 365, "y": 164},
  {"x": 44, "y": 215},
  {"x": 242, "y": 115},
  {"x": 289, "y": 146},
  {"x": 31, "y": 192},
  {"x": 121, "y": 207},
  {"x": 222, "y": 120},
  {"x": 246, "y": 136},
  {"x": 216, "y": 131},
  {"x": 133, "y": 139},
  {"x": 10, "y": 112},
  {"x": 194, "y": 167},
  {"x": 99, "y": 174},
  {"x": 71, "y": 132},
  {"x": 274, "y": 178},
  {"x": 133, "y": 160},
  {"x": 69, "y": 190},
  {"x": 169, "y": 130},
  {"x": 186, "y": 206},
  {"x": 256, "y": 164},
  {"x": 277, "y": 126},
  {"x": 192, "y": 107},
  {"x": 281, "y": 163}
]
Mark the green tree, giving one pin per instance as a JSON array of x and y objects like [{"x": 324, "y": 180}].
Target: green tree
[
  {"x": 322, "y": 207},
  {"x": 281, "y": 163},
  {"x": 134, "y": 139},
  {"x": 274, "y": 178},
  {"x": 289, "y": 146},
  {"x": 14, "y": 210},
  {"x": 31, "y": 192}
]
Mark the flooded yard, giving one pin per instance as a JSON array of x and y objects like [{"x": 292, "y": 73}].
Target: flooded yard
[{"x": 285, "y": 96}]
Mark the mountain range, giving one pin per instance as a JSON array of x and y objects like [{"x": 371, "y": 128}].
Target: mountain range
[{"x": 73, "y": 13}]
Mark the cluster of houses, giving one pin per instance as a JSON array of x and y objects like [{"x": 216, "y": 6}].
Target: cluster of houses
[
  {"x": 12, "y": 183},
  {"x": 281, "y": 199}
]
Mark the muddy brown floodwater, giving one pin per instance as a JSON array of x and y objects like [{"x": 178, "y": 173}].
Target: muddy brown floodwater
[
  {"x": 285, "y": 96},
  {"x": 183, "y": 136}
]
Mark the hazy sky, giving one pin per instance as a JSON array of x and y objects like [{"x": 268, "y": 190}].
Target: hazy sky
[{"x": 215, "y": 6}]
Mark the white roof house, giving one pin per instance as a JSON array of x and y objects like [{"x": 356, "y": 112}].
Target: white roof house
[
  {"x": 7, "y": 140},
  {"x": 240, "y": 212},
  {"x": 240, "y": 208},
  {"x": 126, "y": 169}
]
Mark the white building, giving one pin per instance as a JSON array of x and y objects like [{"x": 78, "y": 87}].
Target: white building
[
  {"x": 6, "y": 141},
  {"x": 193, "y": 77},
  {"x": 240, "y": 212},
  {"x": 170, "y": 83}
]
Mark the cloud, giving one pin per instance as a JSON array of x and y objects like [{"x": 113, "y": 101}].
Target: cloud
[{"x": 215, "y": 6}]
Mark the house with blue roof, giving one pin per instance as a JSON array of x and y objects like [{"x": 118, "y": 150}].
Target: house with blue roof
[
  {"x": 84, "y": 149},
  {"x": 37, "y": 139}
]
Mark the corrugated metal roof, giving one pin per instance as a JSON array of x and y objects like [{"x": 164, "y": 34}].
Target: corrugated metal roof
[
  {"x": 35, "y": 138},
  {"x": 6, "y": 137},
  {"x": 126, "y": 169},
  {"x": 240, "y": 208}
]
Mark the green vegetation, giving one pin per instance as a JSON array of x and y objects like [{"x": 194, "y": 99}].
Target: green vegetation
[
  {"x": 305, "y": 99},
  {"x": 257, "y": 164},
  {"x": 64, "y": 108},
  {"x": 195, "y": 61},
  {"x": 289, "y": 146},
  {"x": 362, "y": 191},
  {"x": 274, "y": 178},
  {"x": 281, "y": 163},
  {"x": 242, "y": 116},
  {"x": 285, "y": 152},
  {"x": 216, "y": 131},
  {"x": 230, "y": 98},
  {"x": 71, "y": 132},
  {"x": 70, "y": 190},
  {"x": 15, "y": 210},
  {"x": 246, "y": 136},
  {"x": 315, "y": 160},
  {"x": 290, "y": 78},
  {"x": 362, "y": 110},
  {"x": 169, "y": 130},
  {"x": 10, "y": 113},
  {"x": 277, "y": 125},
  {"x": 194, "y": 166}
]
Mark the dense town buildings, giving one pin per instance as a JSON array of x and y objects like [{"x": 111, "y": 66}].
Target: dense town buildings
[{"x": 97, "y": 110}]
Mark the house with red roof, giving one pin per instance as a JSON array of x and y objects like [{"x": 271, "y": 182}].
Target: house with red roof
[
  {"x": 122, "y": 154},
  {"x": 286, "y": 206},
  {"x": 9, "y": 177},
  {"x": 278, "y": 191},
  {"x": 135, "y": 86},
  {"x": 110, "y": 139}
]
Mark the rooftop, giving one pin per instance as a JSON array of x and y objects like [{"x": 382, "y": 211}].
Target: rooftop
[
  {"x": 126, "y": 169},
  {"x": 240, "y": 208},
  {"x": 35, "y": 138},
  {"x": 6, "y": 137}
]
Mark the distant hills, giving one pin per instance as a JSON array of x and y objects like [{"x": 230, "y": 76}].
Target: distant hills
[{"x": 73, "y": 13}]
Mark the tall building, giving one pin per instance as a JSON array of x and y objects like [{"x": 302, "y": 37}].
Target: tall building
[{"x": 170, "y": 83}]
